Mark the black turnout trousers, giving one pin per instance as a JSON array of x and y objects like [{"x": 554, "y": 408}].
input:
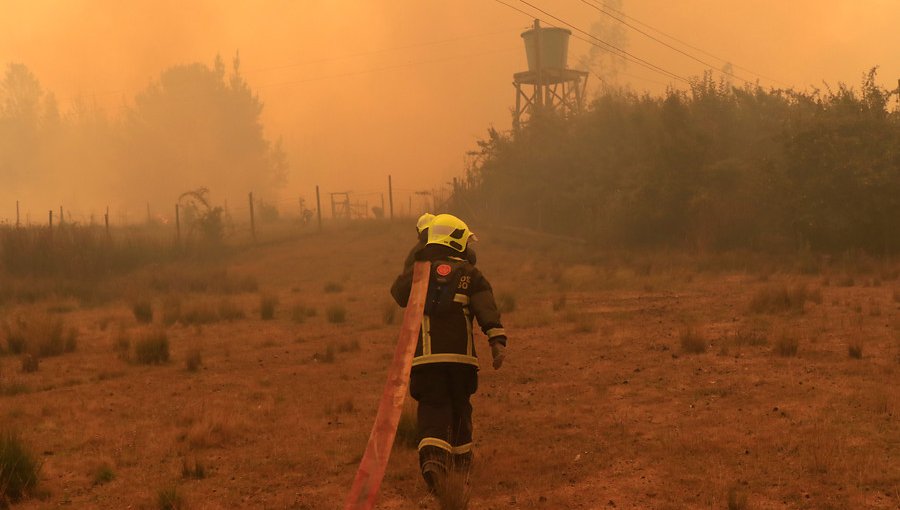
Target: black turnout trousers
[{"x": 444, "y": 413}]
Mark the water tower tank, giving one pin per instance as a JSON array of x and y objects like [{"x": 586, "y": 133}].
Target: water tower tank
[{"x": 554, "y": 47}]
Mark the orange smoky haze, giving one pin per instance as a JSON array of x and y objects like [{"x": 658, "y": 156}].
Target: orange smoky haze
[{"x": 359, "y": 90}]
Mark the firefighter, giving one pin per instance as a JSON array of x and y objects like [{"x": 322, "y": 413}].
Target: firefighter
[
  {"x": 445, "y": 368},
  {"x": 422, "y": 239}
]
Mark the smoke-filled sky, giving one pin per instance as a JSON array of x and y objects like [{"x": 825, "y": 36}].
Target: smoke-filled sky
[{"x": 362, "y": 89}]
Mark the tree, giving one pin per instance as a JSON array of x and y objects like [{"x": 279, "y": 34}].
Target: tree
[
  {"x": 197, "y": 127},
  {"x": 27, "y": 116}
]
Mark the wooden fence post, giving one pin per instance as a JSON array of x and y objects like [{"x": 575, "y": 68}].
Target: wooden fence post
[
  {"x": 319, "y": 207},
  {"x": 391, "y": 196},
  {"x": 252, "y": 219}
]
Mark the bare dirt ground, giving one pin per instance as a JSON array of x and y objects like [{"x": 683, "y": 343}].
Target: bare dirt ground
[{"x": 599, "y": 404}]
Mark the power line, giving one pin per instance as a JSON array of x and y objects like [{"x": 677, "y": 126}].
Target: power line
[
  {"x": 606, "y": 46},
  {"x": 387, "y": 68},
  {"x": 606, "y": 8},
  {"x": 95, "y": 95},
  {"x": 667, "y": 45},
  {"x": 382, "y": 50}
]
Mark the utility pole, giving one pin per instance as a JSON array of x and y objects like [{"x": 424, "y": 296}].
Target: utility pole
[
  {"x": 17, "y": 214},
  {"x": 177, "y": 224}
]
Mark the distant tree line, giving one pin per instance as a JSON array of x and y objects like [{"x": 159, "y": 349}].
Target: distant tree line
[
  {"x": 195, "y": 125},
  {"x": 712, "y": 168}
]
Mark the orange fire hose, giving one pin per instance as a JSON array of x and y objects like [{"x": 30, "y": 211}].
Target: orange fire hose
[{"x": 371, "y": 470}]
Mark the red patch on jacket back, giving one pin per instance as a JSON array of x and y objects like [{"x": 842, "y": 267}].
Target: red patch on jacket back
[{"x": 443, "y": 270}]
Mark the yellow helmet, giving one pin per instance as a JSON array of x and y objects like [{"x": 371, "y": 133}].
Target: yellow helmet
[
  {"x": 451, "y": 231},
  {"x": 424, "y": 222}
]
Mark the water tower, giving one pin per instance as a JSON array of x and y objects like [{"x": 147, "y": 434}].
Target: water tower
[{"x": 548, "y": 85}]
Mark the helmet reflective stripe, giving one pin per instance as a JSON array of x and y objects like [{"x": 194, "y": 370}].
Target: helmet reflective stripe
[
  {"x": 424, "y": 221},
  {"x": 449, "y": 230}
]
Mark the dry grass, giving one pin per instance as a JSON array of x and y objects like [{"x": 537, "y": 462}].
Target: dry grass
[
  {"x": 336, "y": 314},
  {"x": 143, "y": 311},
  {"x": 212, "y": 429},
  {"x": 737, "y": 499},
  {"x": 692, "y": 341},
  {"x": 506, "y": 302},
  {"x": 389, "y": 313},
  {"x": 581, "y": 322},
  {"x": 30, "y": 363},
  {"x": 452, "y": 491},
  {"x": 152, "y": 348},
  {"x": 583, "y": 402},
  {"x": 333, "y": 287},
  {"x": 40, "y": 334},
  {"x": 170, "y": 498},
  {"x": 193, "y": 469},
  {"x": 103, "y": 473},
  {"x": 407, "y": 430},
  {"x": 194, "y": 360},
  {"x": 855, "y": 348},
  {"x": 754, "y": 334},
  {"x": 267, "y": 305},
  {"x": 19, "y": 468},
  {"x": 786, "y": 345},
  {"x": 781, "y": 298},
  {"x": 229, "y": 311}
]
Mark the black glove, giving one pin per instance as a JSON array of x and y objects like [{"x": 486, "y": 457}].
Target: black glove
[{"x": 498, "y": 351}]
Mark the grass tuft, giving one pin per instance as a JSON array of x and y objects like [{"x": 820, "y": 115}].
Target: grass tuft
[
  {"x": 693, "y": 342},
  {"x": 228, "y": 311},
  {"x": 407, "y": 430},
  {"x": 506, "y": 302},
  {"x": 855, "y": 348},
  {"x": 779, "y": 299},
  {"x": 389, "y": 313},
  {"x": 737, "y": 499},
  {"x": 30, "y": 363},
  {"x": 332, "y": 287},
  {"x": 143, "y": 311},
  {"x": 559, "y": 302},
  {"x": 103, "y": 474},
  {"x": 170, "y": 498},
  {"x": 152, "y": 349},
  {"x": 267, "y": 305},
  {"x": 786, "y": 345},
  {"x": 193, "y": 470},
  {"x": 40, "y": 335},
  {"x": 328, "y": 356},
  {"x": 19, "y": 468},
  {"x": 336, "y": 314},
  {"x": 194, "y": 360}
]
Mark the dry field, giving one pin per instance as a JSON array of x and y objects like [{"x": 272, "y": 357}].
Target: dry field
[{"x": 654, "y": 381}]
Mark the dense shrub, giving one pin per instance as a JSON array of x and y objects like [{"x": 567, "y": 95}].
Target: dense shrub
[{"x": 715, "y": 167}]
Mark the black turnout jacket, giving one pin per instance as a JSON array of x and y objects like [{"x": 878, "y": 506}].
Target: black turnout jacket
[{"x": 457, "y": 294}]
